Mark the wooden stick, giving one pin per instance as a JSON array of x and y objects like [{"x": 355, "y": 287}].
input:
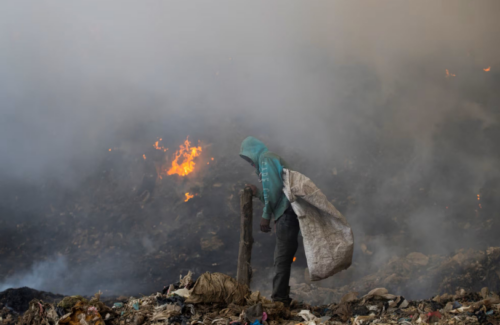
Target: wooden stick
[{"x": 244, "y": 272}]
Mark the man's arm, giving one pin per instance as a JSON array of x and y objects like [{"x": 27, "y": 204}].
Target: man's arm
[
  {"x": 266, "y": 170},
  {"x": 256, "y": 192},
  {"x": 272, "y": 185},
  {"x": 259, "y": 194},
  {"x": 264, "y": 223}
]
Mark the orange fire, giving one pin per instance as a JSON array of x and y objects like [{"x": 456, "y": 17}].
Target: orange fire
[
  {"x": 479, "y": 197},
  {"x": 294, "y": 259},
  {"x": 487, "y": 69},
  {"x": 186, "y": 153},
  {"x": 158, "y": 146},
  {"x": 144, "y": 156},
  {"x": 448, "y": 74},
  {"x": 188, "y": 196}
]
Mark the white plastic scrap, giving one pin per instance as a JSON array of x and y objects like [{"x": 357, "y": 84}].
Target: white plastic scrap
[
  {"x": 309, "y": 318},
  {"x": 362, "y": 319},
  {"x": 185, "y": 293}
]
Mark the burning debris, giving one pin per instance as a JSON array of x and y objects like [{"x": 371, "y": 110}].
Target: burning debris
[
  {"x": 161, "y": 243},
  {"x": 400, "y": 151},
  {"x": 183, "y": 163},
  {"x": 158, "y": 146},
  {"x": 188, "y": 196},
  {"x": 448, "y": 74}
]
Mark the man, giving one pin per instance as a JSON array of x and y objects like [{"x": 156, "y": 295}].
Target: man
[{"x": 269, "y": 166}]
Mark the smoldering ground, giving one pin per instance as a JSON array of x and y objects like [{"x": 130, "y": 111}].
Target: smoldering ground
[{"x": 385, "y": 105}]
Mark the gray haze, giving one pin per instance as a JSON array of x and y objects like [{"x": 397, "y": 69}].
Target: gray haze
[{"x": 350, "y": 86}]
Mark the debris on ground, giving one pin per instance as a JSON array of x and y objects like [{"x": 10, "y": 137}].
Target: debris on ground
[
  {"x": 218, "y": 288},
  {"x": 217, "y": 299},
  {"x": 7, "y": 316},
  {"x": 18, "y": 299},
  {"x": 417, "y": 276}
]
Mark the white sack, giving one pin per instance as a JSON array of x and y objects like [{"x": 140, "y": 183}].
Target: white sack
[{"x": 328, "y": 239}]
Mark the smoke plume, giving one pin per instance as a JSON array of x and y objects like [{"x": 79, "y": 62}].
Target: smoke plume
[{"x": 385, "y": 105}]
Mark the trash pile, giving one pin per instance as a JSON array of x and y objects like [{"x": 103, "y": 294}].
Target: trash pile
[
  {"x": 380, "y": 307},
  {"x": 7, "y": 316},
  {"x": 218, "y": 299},
  {"x": 418, "y": 276},
  {"x": 14, "y": 302}
]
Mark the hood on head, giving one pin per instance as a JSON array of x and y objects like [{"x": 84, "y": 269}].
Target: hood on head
[{"x": 252, "y": 149}]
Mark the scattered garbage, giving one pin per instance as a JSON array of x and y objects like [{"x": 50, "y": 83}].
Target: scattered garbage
[
  {"x": 416, "y": 272},
  {"x": 17, "y": 300},
  {"x": 224, "y": 302},
  {"x": 254, "y": 314},
  {"x": 309, "y": 318},
  {"x": 218, "y": 288}
]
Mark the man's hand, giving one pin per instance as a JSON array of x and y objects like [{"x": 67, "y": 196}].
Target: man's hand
[
  {"x": 254, "y": 189},
  {"x": 264, "y": 225}
]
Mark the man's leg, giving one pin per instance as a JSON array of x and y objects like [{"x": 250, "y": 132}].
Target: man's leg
[{"x": 287, "y": 231}]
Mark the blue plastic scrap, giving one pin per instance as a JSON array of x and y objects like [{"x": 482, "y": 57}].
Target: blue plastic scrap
[
  {"x": 118, "y": 304},
  {"x": 456, "y": 305},
  {"x": 489, "y": 312},
  {"x": 136, "y": 305}
]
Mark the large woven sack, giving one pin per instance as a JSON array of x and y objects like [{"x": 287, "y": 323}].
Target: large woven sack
[
  {"x": 218, "y": 288},
  {"x": 328, "y": 238}
]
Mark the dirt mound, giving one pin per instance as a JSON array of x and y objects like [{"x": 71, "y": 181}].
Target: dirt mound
[{"x": 19, "y": 299}]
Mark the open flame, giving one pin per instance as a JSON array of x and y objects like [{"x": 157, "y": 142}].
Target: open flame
[
  {"x": 158, "y": 146},
  {"x": 144, "y": 156},
  {"x": 487, "y": 69},
  {"x": 448, "y": 74},
  {"x": 183, "y": 163},
  {"x": 188, "y": 196},
  {"x": 294, "y": 259}
]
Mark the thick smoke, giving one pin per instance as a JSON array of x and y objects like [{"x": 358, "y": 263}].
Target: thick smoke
[
  {"x": 43, "y": 275},
  {"x": 354, "y": 94}
]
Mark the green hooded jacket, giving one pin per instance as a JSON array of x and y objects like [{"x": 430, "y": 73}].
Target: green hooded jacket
[{"x": 270, "y": 169}]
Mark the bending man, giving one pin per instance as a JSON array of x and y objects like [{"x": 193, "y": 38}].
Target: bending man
[{"x": 269, "y": 167}]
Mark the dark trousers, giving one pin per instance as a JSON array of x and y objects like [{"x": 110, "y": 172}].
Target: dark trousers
[{"x": 287, "y": 232}]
